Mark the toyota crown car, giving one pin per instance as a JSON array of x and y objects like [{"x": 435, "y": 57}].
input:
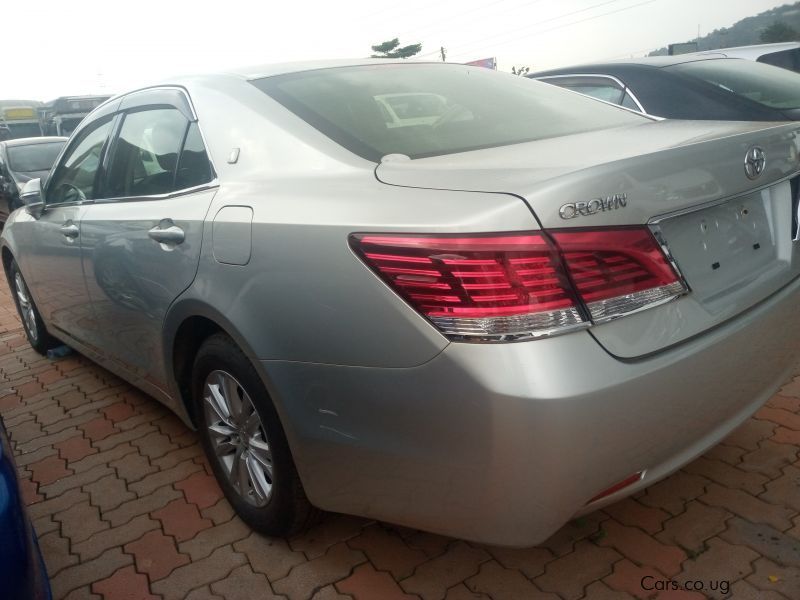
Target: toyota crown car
[
  {"x": 688, "y": 86},
  {"x": 481, "y": 325}
]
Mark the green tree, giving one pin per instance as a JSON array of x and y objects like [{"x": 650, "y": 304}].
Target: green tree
[
  {"x": 392, "y": 49},
  {"x": 520, "y": 70},
  {"x": 779, "y": 32}
]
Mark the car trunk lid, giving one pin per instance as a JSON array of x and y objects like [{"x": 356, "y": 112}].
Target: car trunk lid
[{"x": 731, "y": 237}]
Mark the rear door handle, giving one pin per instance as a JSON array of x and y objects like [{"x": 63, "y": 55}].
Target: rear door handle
[
  {"x": 171, "y": 234},
  {"x": 69, "y": 229}
]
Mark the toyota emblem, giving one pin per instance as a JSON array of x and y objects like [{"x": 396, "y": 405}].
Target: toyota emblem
[{"x": 754, "y": 162}]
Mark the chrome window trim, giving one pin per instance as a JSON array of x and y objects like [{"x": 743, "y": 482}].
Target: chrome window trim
[
  {"x": 48, "y": 207},
  {"x": 213, "y": 184},
  {"x": 182, "y": 192},
  {"x": 625, "y": 88}
]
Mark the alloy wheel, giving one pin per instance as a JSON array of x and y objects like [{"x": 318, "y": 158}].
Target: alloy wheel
[
  {"x": 238, "y": 437},
  {"x": 26, "y": 307}
]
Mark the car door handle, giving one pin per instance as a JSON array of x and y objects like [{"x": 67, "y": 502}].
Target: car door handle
[
  {"x": 69, "y": 230},
  {"x": 167, "y": 235}
]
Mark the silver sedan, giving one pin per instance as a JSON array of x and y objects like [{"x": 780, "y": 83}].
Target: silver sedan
[{"x": 429, "y": 294}]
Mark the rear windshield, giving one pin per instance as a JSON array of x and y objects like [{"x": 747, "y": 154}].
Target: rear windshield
[
  {"x": 769, "y": 86},
  {"x": 35, "y": 157},
  {"x": 427, "y": 110}
]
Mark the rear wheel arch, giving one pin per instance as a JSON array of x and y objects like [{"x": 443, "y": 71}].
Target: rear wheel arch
[
  {"x": 189, "y": 336},
  {"x": 187, "y": 326}
]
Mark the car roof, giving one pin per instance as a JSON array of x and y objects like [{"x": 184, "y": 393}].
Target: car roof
[
  {"x": 748, "y": 52},
  {"x": 31, "y": 141},
  {"x": 647, "y": 62}
]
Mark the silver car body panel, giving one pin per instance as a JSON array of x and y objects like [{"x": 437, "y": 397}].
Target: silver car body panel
[
  {"x": 51, "y": 262},
  {"x": 503, "y": 443},
  {"x": 133, "y": 279},
  {"x": 385, "y": 417}
]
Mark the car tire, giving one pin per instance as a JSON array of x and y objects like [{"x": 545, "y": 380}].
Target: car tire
[
  {"x": 35, "y": 330},
  {"x": 241, "y": 433}
]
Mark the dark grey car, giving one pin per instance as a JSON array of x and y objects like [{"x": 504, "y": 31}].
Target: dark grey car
[
  {"x": 20, "y": 161},
  {"x": 688, "y": 86}
]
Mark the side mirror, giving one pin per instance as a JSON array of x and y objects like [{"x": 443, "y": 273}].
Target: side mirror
[{"x": 31, "y": 194}]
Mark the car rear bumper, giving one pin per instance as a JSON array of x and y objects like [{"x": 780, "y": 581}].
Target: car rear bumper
[{"x": 504, "y": 443}]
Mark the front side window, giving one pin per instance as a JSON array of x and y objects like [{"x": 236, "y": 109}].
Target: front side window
[
  {"x": 145, "y": 155},
  {"x": 74, "y": 178},
  {"x": 433, "y": 109},
  {"x": 769, "y": 86}
]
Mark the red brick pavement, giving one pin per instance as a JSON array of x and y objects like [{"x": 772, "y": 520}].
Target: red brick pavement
[{"x": 125, "y": 508}]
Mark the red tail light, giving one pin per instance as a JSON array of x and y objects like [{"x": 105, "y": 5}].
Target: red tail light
[
  {"x": 618, "y": 271},
  {"x": 514, "y": 286}
]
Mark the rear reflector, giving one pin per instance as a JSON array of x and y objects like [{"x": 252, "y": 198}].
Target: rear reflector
[
  {"x": 502, "y": 287},
  {"x": 630, "y": 480}
]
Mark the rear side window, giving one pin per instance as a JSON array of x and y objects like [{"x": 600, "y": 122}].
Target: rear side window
[
  {"x": 145, "y": 155},
  {"x": 427, "y": 110},
  {"x": 194, "y": 167},
  {"x": 628, "y": 102},
  {"x": 601, "y": 88}
]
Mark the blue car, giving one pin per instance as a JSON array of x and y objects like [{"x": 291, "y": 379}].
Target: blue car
[{"x": 22, "y": 572}]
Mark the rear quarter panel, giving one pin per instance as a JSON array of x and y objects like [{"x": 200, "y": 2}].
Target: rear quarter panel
[{"x": 304, "y": 295}]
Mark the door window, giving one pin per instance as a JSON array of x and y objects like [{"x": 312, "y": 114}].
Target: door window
[
  {"x": 74, "y": 178},
  {"x": 146, "y": 153}
]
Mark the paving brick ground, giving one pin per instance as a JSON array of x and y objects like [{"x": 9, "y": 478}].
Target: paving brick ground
[{"x": 126, "y": 508}]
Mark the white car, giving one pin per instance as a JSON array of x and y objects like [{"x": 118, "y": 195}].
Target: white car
[{"x": 783, "y": 54}]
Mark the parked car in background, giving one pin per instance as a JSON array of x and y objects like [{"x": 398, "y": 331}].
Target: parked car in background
[
  {"x": 687, "y": 87},
  {"x": 481, "y": 326},
  {"x": 22, "y": 571},
  {"x": 784, "y": 54},
  {"x": 20, "y": 161}
]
